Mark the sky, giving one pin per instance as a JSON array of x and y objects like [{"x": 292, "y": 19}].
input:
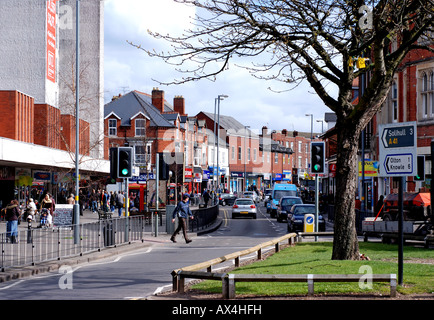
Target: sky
[{"x": 250, "y": 100}]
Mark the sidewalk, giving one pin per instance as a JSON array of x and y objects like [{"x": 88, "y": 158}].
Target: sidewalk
[{"x": 88, "y": 217}]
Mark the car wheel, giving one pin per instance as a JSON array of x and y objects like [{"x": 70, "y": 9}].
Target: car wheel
[
  {"x": 233, "y": 216},
  {"x": 254, "y": 216}
]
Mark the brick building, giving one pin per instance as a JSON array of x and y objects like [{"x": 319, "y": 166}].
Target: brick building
[{"x": 151, "y": 126}]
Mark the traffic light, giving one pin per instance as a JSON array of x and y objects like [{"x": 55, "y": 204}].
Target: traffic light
[
  {"x": 163, "y": 168},
  {"x": 317, "y": 157},
  {"x": 420, "y": 176},
  {"x": 125, "y": 159},
  {"x": 113, "y": 163}
]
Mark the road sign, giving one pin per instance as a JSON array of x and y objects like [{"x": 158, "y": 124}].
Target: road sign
[
  {"x": 399, "y": 163},
  {"x": 398, "y": 136},
  {"x": 398, "y": 149}
]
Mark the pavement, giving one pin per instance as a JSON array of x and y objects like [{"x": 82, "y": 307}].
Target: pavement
[{"x": 87, "y": 217}]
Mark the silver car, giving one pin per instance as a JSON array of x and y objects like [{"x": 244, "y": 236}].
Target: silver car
[
  {"x": 244, "y": 207},
  {"x": 251, "y": 194}
]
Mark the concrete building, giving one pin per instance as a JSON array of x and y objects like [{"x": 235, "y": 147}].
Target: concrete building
[{"x": 37, "y": 94}]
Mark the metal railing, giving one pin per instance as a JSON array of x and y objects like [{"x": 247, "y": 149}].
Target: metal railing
[{"x": 37, "y": 245}]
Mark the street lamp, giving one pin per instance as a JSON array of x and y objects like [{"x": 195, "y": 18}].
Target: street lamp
[
  {"x": 245, "y": 158},
  {"x": 220, "y": 97},
  {"x": 322, "y": 124},
  {"x": 311, "y": 124},
  {"x": 76, "y": 207}
]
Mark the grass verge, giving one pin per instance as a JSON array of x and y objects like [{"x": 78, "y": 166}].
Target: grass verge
[{"x": 315, "y": 258}]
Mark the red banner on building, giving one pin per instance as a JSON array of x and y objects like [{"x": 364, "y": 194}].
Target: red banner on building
[{"x": 51, "y": 40}]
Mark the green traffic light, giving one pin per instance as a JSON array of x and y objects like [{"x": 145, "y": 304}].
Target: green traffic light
[{"x": 125, "y": 172}]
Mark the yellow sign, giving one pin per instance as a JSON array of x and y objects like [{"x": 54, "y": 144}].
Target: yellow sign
[
  {"x": 371, "y": 168},
  {"x": 309, "y": 223}
]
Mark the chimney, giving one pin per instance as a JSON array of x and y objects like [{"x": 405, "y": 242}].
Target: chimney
[
  {"x": 264, "y": 131},
  {"x": 179, "y": 105},
  {"x": 284, "y": 132},
  {"x": 158, "y": 99},
  {"x": 295, "y": 133}
]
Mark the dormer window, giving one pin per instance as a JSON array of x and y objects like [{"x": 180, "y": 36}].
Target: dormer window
[
  {"x": 140, "y": 127},
  {"x": 113, "y": 127}
]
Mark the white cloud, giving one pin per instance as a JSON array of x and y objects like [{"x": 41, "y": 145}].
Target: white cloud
[{"x": 250, "y": 101}]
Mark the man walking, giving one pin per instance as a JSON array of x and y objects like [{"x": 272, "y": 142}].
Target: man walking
[{"x": 183, "y": 211}]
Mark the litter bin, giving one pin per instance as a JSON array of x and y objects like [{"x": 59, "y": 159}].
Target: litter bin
[
  {"x": 109, "y": 234},
  {"x": 170, "y": 227}
]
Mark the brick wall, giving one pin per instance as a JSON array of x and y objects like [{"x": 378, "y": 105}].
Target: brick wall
[
  {"x": 17, "y": 117},
  {"x": 47, "y": 126}
]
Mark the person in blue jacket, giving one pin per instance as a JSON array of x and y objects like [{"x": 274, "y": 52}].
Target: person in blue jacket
[{"x": 182, "y": 211}]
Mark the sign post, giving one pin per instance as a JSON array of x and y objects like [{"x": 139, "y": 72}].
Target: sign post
[{"x": 398, "y": 158}]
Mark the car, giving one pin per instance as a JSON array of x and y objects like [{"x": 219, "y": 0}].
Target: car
[
  {"x": 284, "y": 206},
  {"x": 227, "y": 199},
  {"x": 296, "y": 217},
  {"x": 266, "y": 195},
  {"x": 251, "y": 194},
  {"x": 244, "y": 207},
  {"x": 280, "y": 190}
]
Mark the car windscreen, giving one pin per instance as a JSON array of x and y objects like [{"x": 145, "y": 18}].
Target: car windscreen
[
  {"x": 304, "y": 210},
  {"x": 288, "y": 203},
  {"x": 283, "y": 193},
  {"x": 244, "y": 202}
]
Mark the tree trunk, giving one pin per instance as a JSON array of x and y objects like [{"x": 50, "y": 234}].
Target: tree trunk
[{"x": 345, "y": 243}]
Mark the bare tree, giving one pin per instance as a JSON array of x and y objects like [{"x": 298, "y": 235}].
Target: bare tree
[{"x": 317, "y": 41}]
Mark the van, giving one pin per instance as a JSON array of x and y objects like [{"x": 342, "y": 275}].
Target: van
[{"x": 281, "y": 190}]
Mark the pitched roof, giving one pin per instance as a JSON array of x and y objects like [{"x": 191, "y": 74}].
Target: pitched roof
[
  {"x": 230, "y": 124},
  {"x": 132, "y": 103}
]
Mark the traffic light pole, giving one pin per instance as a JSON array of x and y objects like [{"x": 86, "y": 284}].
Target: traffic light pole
[
  {"x": 316, "y": 204},
  {"x": 127, "y": 206}
]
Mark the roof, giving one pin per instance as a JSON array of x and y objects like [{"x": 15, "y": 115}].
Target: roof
[
  {"x": 133, "y": 103},
  {"x": 230, "y": 124}
]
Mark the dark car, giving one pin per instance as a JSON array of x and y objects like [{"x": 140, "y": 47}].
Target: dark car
[
  {"x": 227, "y": 199},
  {"x": 296, "y": 217},
  {"x": 285, "y": 205}
]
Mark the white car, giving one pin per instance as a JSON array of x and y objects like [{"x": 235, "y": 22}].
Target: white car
[
  {"x": 244, "y": 207},
  {"x": 251, "y": 194}
]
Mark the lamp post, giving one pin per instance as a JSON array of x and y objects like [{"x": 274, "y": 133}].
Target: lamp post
[
  {"x": 311, "y": 124},
  {"x": 245, "y": 158},
  {"x": 220, "y": 97},
  {"x": 322, "y": 124},
  {"x": 76, "y": 209}
]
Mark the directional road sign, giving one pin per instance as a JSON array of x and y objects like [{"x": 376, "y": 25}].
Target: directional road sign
[{"x": 398, "y": 149}]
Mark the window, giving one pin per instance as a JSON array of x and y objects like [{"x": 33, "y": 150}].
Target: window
[
  {"x": 113, "y": 127},
  {"x": 248, "y": 154},
  {"x": 140, "y": 127},
  {"x": 276, "y": 158},
  {"x": 239, "y": 153},
  {"x": 299, "y": 146},
  {"x": 140, "y": 154},
  {"x": 394, "y": 102},
  {"x": 233, "y": 153},
  {"x": 427, "y": 94},
  {"x": 254, "y": 155}
]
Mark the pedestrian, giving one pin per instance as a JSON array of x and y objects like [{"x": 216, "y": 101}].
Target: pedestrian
[
  {"x": 182, "y": 211},
  {"x": 120, "y": 202},
  {"x": 31, "y": 209},
  {"x": 71, "y": 199},
  {"x": 94, "y": 201},
  {"x": 12, "y": 215},
  {"x": 206, "y": 197},
  {"x": 48, "y": 203}
]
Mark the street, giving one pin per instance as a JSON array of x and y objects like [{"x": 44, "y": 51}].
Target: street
[{"x": 141, "y": 273}]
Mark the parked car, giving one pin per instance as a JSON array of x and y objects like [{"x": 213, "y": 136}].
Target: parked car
[
  {"x": 227, "y": 199},
  {"x": 251, "y": 194},
  {"x": 244, "y": 207},
  {"x": 266, "y": 196},
  {"x": 284, "y": 206},
  {"x": 296, "y": 217}
]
